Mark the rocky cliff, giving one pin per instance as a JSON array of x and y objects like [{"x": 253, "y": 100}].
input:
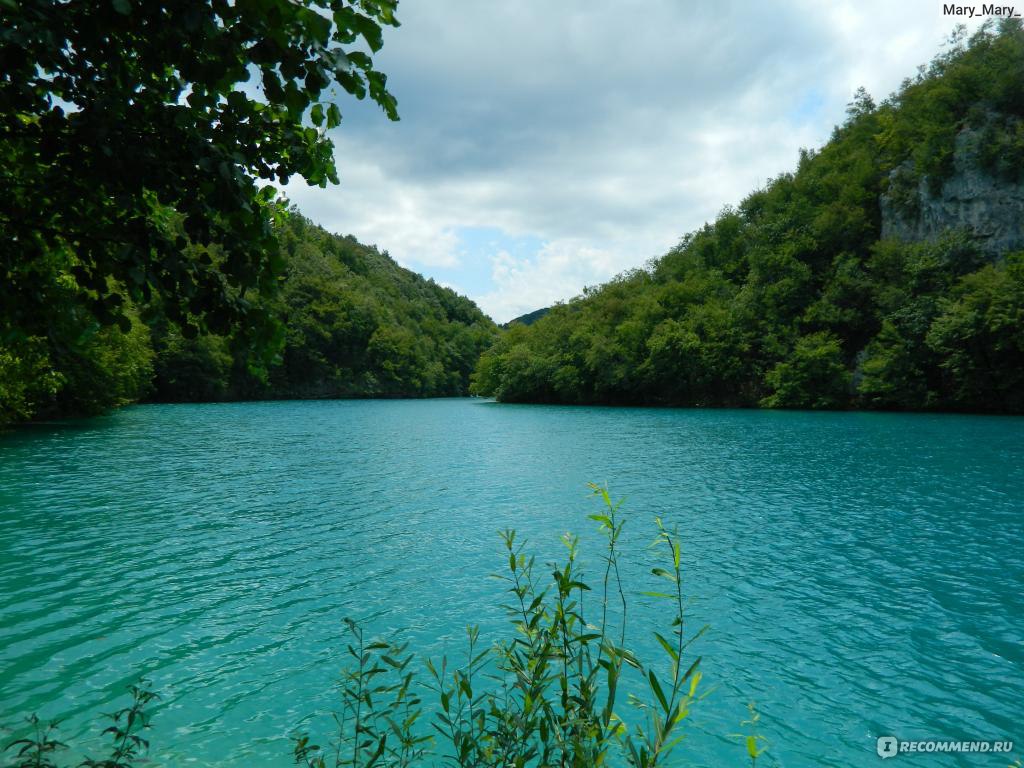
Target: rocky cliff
[{"x": 989, "y": 206}]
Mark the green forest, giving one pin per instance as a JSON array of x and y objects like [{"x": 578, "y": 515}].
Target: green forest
[
  {"x": 793, "y": 299},
  {"x": 350, "y": 322},
  {"x": 213, "y": 553},
  {"x": 206, "y": 288},
  {"x": 354, "y": 324}
]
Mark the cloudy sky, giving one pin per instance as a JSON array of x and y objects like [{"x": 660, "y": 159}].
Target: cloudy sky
[{"x": 547, "y": 145}]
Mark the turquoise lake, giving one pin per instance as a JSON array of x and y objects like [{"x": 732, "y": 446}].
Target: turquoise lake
[{"x": 862, "y": 574}]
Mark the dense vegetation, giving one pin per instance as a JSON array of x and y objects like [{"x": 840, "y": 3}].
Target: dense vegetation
[
  {"x": 351, "y": 323},
  {"x": 126, "y": 134},
  {"x": 563, "y": 689},
  {"x": 792, "y": 299},
  {"x": 137, "y": 140},
  {"x": 529, "y": 318},
  {"x": 356, "y": 324}
]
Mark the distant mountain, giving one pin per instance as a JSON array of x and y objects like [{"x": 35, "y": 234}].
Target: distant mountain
[
  {"x": 529, "y": 318},
  {"x": 887, "y": 271}
]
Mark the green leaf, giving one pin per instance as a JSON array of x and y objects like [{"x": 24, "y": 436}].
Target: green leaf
[
  {"x": 752, "y": 746},
  {"x": 295, "y": 98},
  {"x": 656, "y": 687},
  {"x": 333, "y": 116},
  {"x": 691, "y": 669},
  {"x": 664, "y": 574},
  {"x": 667, "y": 646}
]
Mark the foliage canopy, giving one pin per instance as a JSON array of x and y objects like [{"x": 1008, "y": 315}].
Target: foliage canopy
[
  {"x": 353, "y": 324},
  {"x": 793, "y": 299},
  {"x": 136, "y": 137}
]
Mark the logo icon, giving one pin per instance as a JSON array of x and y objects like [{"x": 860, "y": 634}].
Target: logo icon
[{"x": 887, "y": 746}]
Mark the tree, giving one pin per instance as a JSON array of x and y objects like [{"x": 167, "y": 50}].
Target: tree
[
  {"x": 893, "y": 372},
  {"x": 792, "y": 299},
  {"x": 813, "y": 376},
  {"x": 136, "y": 140},
  {"x": 980, "y": 337}
]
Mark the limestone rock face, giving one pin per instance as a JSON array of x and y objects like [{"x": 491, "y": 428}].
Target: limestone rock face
[{"x": 990, "y": 208}]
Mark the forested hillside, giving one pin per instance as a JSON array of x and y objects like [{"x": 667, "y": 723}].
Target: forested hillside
[
  {"x": 349, "y": 322},
  {"x": 886, "y": 271},
  {"x": 794, "y": 298},
  {"x": 529, "y": 318},
  {"x": 355, "y": 324}
]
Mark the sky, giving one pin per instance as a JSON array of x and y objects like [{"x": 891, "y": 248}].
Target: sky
[{"x": 547, "y": 145}]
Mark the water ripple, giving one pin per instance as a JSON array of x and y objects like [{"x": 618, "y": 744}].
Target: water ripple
[{"x": 861, "y": 572}]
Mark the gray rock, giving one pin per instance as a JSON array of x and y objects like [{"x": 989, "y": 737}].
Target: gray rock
[{"x": 989, "y": 208}]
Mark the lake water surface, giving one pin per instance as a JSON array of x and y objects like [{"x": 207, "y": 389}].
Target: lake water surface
[{"x": 863, "y": 574}]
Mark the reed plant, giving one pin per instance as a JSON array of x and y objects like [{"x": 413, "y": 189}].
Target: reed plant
[
  {"x": 548, "y": 695},
  {"x": 125, "y": 732}
]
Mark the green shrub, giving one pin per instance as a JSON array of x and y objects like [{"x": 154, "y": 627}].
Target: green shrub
[
  {"x": 27, "y": 378},
  {"x": 813, "y": 376},
  {"x": 551, "y": 694},
  {"x": 127, "y": 745}
]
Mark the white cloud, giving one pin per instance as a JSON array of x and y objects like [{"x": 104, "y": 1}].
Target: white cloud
[
  {"x": 525, "y": 284},
  {"x": 605, "y": 130}
]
